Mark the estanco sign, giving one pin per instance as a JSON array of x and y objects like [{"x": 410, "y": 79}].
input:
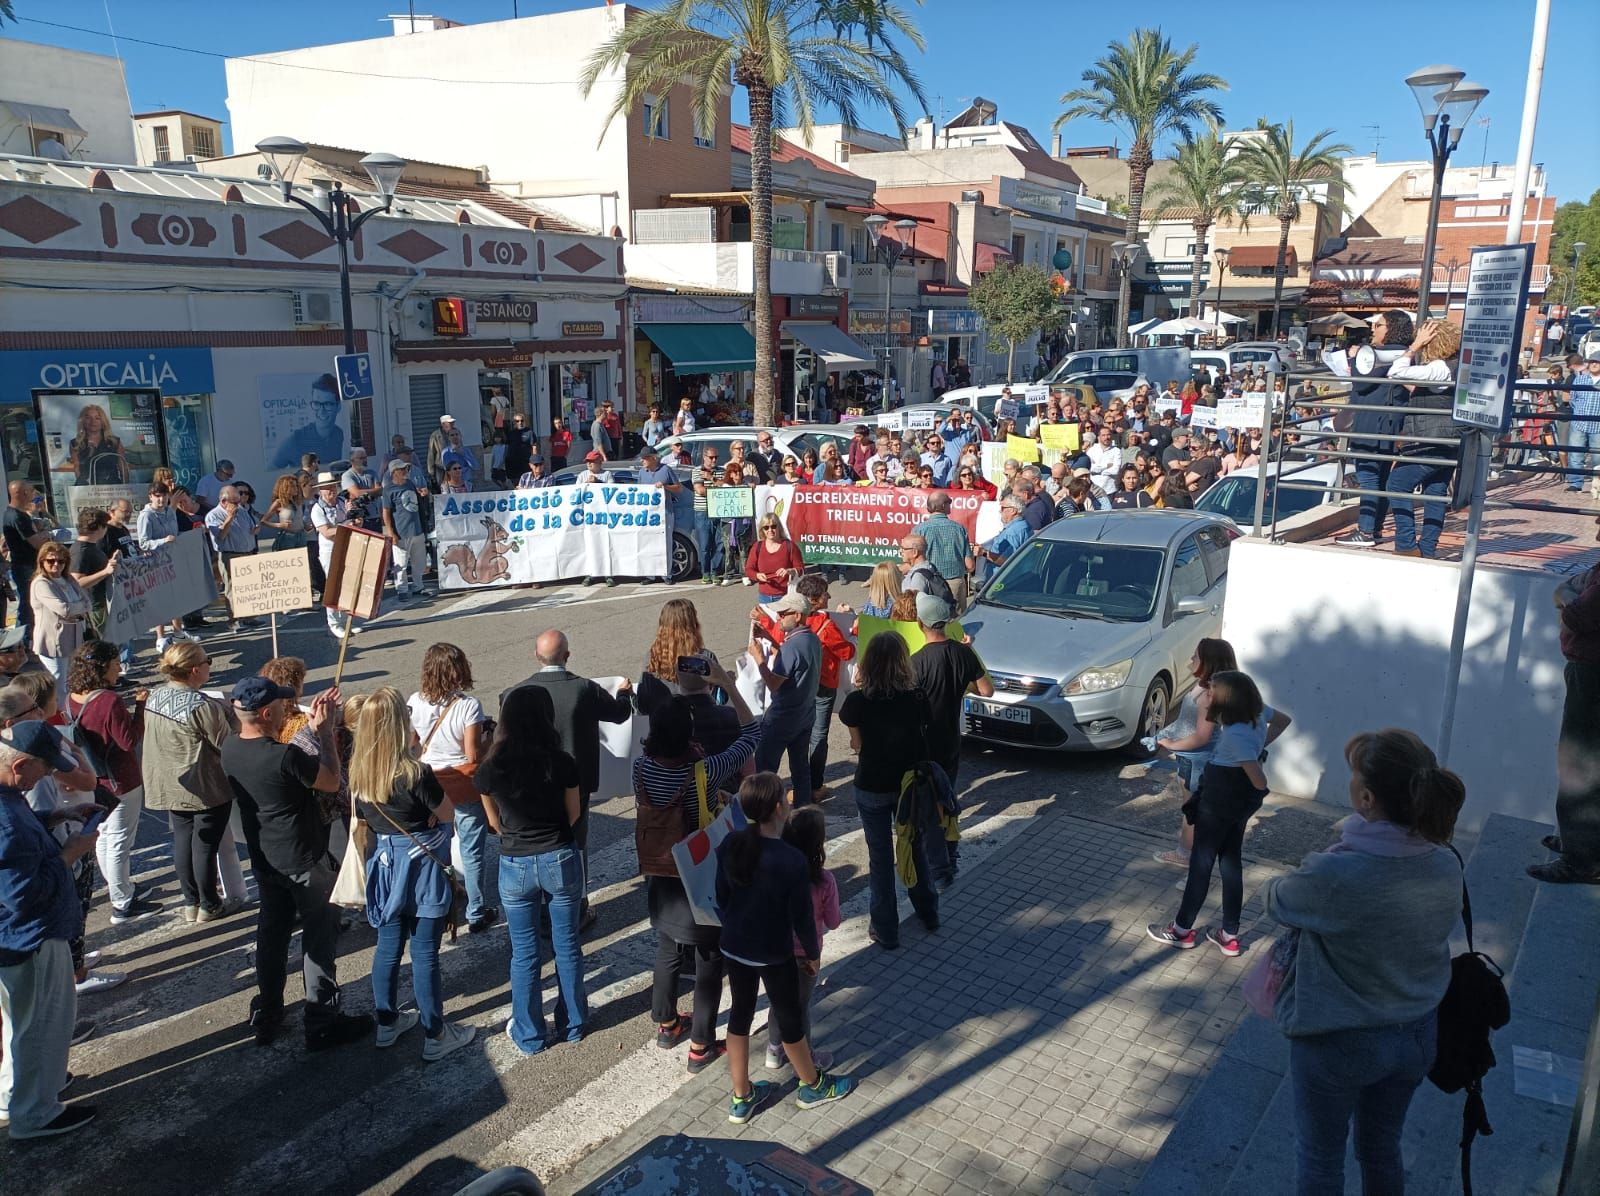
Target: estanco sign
[{"x": 171, "y": 371}]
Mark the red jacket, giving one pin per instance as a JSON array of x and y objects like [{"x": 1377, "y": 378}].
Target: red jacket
[
  {"x": 1580, "y": 622},
  {"x": 836, "y": 649}
]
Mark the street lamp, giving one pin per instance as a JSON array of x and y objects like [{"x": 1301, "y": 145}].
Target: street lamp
[
  {"x": 1123, "y": 255},
  {"x": 1447, "y": 104},
  {"x": 283, "y": 155},
  {"x": 1220, "y": 256},
  {"x": 1451, "y": 268},
  {"x": 1572, "y": 277},
  {"x": 889, "y": 250}
]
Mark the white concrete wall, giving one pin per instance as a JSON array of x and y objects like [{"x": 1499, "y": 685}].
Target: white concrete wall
[
  {"x": 1348, "y": 641},
  {"x": 89, "y": 86}
]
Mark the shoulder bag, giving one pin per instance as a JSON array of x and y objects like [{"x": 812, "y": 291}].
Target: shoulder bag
[
  {"x": 350, "y": 887},
  {"x": 656, "y": 829},
  {"x": 454, "y": 779},
  {"x": 458, "y": 891}
]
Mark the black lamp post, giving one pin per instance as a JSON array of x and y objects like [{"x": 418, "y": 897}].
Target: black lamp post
[
  {"x": 889, "y": 251},
  {"x": 1123, "y": 255},
  {"x": 334, "y": 213},
  {"x": 1220, "y": 256},
  {"x": 1447, "y": 104}
]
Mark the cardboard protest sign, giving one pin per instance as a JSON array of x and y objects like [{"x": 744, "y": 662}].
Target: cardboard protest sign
[
  {"x": 356, "y": 572},
  {"x": 1203, "y": 417},
  {"x": 514, "y": 537},
  {"x": 271, "y": 582},
  {"x": 868, "y": 626},
  {"x": 922, "y": 421},
  {"x": 1022, "y": 449},
  {"x": 731, "y": 502},
  {"x": 1061, "y": 438},
  {"x": 159, "y": 586},
  {"x": 994, "y": 461}
]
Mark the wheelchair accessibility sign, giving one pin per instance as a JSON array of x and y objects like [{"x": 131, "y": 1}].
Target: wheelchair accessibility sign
[{"x": 354, "y": 371}]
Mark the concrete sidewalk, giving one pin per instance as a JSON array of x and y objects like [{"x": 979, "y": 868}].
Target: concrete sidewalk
[{"x": 1038, "y": 1042}]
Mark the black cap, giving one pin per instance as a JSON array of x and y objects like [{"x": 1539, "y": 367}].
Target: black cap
[{"x": 256, "y": 693}]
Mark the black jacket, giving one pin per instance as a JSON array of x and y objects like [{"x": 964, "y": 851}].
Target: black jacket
[
  {"x": 1376, "y": 422},
  {"x": 580, "y": 707},
  {"x": 1428, "y": 414}
]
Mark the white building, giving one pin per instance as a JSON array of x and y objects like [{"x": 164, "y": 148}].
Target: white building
[{"x": 51, "y": 97}]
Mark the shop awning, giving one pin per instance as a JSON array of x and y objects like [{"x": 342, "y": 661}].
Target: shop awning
[
  {"x": 1259, "y": 257},
  {"x": 704, "y": 348},
  {"x": 839, "y": 349}
]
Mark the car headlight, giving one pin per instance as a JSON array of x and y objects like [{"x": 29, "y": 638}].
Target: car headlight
[{"x": 1099, "y": 679}]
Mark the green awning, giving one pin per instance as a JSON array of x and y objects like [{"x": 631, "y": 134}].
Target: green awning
[{"x": 704, "y": 348}]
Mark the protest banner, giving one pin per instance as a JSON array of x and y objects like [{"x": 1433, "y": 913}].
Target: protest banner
[
  {"x": 868, "y": 626},
  {"x": 731, "y": 502},
  {"x": 1036, "y": 396},
  {"x": 516, "y": 537},
  {"x": 859, "y": 525},
  {"x": 159, "y": 586},
  {"x": 269, "y": 582},
  {"x": 1203, "y": 417},
  {"x": 1061, "y": 438},
  {"x": 922, "y": 421},
  {"x": 1023, "y": 449},
  {"x": 1246, "y": 411},
  {"x": 81, "y": 497}
]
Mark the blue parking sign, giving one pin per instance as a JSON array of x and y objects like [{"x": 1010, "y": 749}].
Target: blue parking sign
[{"x": 354, "y": 371}]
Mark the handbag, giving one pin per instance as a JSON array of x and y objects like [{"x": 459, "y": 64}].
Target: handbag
[
  {"x": 1272, "y": 971},
  {"x": 350, "y": 886},
  {"x": 454, "y": 779},
  {"x": 458, "y": 891},
  {"x": 695, "y": 859},
  {"x": 658, "y": 829}
]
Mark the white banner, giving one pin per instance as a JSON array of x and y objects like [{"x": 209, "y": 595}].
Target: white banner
[
  {"x": 156, "y": 587},
  {"x": 514, "y": 537}
]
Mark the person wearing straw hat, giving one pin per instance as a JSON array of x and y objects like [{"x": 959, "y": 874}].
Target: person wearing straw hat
[{"x": 327, "y": 513}]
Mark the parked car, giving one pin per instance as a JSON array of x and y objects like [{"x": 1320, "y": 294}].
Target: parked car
[
  {"x": 985, "y": 399},
  {"x": 1087, "y": 630},
  {"x": 685, "y": 556},
  {"x": 725, "y": 434},
  {"x": 1234, "y": 497}
]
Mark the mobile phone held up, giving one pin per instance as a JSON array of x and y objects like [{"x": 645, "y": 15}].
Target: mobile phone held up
[
  {"x": 92, "y": 824},
  {"x": 698, "y": 665}
]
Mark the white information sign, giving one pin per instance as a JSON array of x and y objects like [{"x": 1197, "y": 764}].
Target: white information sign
[
  {"x": 1036, "y": 396},
  {"x": 1491, "y": 329}
]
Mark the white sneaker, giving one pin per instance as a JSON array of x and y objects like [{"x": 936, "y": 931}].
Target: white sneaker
[
  {"x": 451, "y": 1038},
  {"x": 404, "y": 1020},
  {"x": 96, "y": 982},
  {"x": 188, "y": 636},
  {"x": 161, "y": 644}
]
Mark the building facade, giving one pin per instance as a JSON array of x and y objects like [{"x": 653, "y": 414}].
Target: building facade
[{"x": 61, "y": 103}]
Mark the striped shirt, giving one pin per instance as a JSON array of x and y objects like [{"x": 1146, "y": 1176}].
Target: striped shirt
[
  {"x": 1586, "y": 396},
  {"x": 669, "y": 784},
  {"x": 948, "y": 546}
]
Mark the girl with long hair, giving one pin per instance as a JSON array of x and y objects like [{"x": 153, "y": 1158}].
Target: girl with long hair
[
  {"x": 409, "y": 894},
  {"x": 1130, "y": 493},
  {"x": 530, "y": 793},
  {"x": 449, "y": 722},
  {"x": 888, "y": 718},
  {"x": 1194, "y": 733},
  {"x": 764, "y": 900},
  {"x": 1360, "y": 1008},
  {"x": 286, "y": 513}
]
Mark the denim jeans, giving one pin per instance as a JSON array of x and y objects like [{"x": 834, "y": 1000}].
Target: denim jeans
[
  {"x": 525, "y": 881},
  {"x": 1434, "y": 481},
  {"x": 425, "y": 935},
  {"x": 471, "y": 842},
  {"x": 708, "y": 543},
  {"x": 1372, "y": 475},
  {"x": 788, "y": 734},
  {"x": 114, "y": 850},
  {"x": 1368, "y": 1074},
  {"x": 1583, "y": 451},
  {"x": 877, "y": 828},
  {"x": 818, "y": 747}
]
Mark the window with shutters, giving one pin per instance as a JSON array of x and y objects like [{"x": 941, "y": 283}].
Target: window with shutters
[{"x": 163, "y": 145}]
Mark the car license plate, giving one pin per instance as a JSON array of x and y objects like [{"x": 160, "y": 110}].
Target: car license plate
[{"x": 999, "y": 710}]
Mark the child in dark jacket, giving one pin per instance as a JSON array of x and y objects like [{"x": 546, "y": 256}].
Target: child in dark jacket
[
  {"x": 764, "y": 900},
  {"x": 806, "y": 830}
]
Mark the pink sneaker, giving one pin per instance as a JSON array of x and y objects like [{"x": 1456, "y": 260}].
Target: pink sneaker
[
  {"x": 1169, "y": 934},
  {"x": 1228, "y": 944}
]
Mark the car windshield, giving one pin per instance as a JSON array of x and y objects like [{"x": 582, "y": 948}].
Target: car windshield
[
  {"x": 1079, "y": 580},
  {"x": 1236, "y": 498}
]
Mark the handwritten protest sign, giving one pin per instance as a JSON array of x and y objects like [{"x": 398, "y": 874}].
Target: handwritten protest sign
[
  {"x": 271, "y": 582},
  {"x": 1023, "y": 449},
  {"x": 159, "y": 586},
  {"x": 731, "y": 502},
  {"x": 922, "y": 421},
  {"x": 994, "y": 463},
  {"x": 1061, "y": 438}
]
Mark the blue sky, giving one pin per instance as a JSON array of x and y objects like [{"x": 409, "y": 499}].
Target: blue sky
[{"x": 1322, "y": 66}]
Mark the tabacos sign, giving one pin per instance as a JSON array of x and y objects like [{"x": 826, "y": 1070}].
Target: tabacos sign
[{"x": 171, "y": 371}]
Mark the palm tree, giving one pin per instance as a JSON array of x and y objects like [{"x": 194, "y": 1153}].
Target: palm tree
[
  {"x": 1204, "y": 184},
  {"x": 1275, "y": 177},
  {"x": 789, "y": 56},
  {"x": 1145, "y": 86}
]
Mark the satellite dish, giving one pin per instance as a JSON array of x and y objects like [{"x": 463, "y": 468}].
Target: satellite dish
[{"x": 51, "y": 148}]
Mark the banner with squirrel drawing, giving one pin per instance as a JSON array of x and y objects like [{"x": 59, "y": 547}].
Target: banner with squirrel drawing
[{"x": 514, "y": 537}]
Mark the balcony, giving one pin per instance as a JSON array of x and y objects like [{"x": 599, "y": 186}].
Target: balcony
[{"x": 730, "y": 266}]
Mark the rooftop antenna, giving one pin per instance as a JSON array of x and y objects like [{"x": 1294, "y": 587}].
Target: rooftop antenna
[
  {"x": 1483, "y": 123},
  {"x": 1377, "y": 137}
]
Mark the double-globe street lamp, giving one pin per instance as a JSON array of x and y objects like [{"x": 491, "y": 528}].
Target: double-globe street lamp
[
  {"x": 889, "y": 250},
  {"x": 1447, "y": 104},
  {"x": 1220, "y": 256},
  {"x": 334, "y": 209},
  {"x": 1123, "y": 256}
]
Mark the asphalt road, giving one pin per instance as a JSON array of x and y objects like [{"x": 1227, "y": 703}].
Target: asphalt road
[{"x": 187, "y": 1101}]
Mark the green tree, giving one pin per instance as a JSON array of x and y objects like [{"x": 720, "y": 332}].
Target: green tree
[
  {"x": 1276, "y": 174},
  {"x": 1146, "y": 87},
  {"x": 1204, "y": 185},
  {"x": 1575, "y": 221},
  {"x": 789, "y": 56},
  {"x": 1016, "y": 302}
]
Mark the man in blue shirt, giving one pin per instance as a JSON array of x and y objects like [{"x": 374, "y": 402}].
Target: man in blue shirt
[
  {"x": 39, "y": 913},
  {"x": 653, "y": 473},
  {"x": 947, "y": 547},
  {"x": 957, "y": 433},
  {"x": 934, "y": 457},
  {"x": 401, "y": 509},
  {"x": 232, "y": 535},
  {"x": 1584, "y": 437},
  {"x": 792, "y": 671},
  {"x": 1013, "y": 531}
]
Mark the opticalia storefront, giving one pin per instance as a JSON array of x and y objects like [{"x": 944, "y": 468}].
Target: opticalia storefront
[{"x": 86, "y": 426}]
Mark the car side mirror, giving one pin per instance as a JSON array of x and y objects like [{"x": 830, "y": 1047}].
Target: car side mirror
[{"x": 1194, "y": 604}]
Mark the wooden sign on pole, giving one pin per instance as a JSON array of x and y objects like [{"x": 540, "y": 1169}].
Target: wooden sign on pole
[{"x": 356, "y": 573}]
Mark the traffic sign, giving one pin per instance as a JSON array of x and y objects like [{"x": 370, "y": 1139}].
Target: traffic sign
[{"x": 354, "y": 371}]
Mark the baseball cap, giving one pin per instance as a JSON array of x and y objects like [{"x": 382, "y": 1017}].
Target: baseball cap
[
  {"x": 1081, "y": 472},
  {"x": 42, "y": 742},
  {"x": 1593, "y": 355},
  {"x": 14, "y": 638},
  {"x": 447, "y": 419},
  {"x": 933, "y": 611},
  {"x": 255, "y": 693},
  {"x": 593, "y": 455},
  {"x": 536, "y": 459},
  {"x": 649, "y": 450},
  {"x": 793, "y": 600}
]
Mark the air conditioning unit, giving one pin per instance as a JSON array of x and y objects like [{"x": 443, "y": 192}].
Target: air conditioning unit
[
  {"x": 315, "y": 309},
  {"x": 837, "y": 268}
]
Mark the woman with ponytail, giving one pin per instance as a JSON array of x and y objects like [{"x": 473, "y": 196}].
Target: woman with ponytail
[
  {"x": 1374, "y": 914},
  {"x": 764, "y": 900}
]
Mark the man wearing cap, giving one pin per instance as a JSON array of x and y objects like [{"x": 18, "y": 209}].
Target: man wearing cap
[
  {"x": 792, "y": 671},
  {"x": 39, "y": 913},
  {"x": 946, "y": 670},
  {"x": 653, "y": 473},
  {"x": 1178, "y": 452},
  {"x": 232, "y": 535},
  {"x": 438, "y": 441},
  {"x": 594, "y": 473},
  {"x": 327, "y": 513},
  {"x": 402, "y": 525},
  {"x": 535, "y": 477},
  {"x": 275, "y": 786}
]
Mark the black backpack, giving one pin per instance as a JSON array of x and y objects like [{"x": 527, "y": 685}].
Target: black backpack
[
  {"x": 936, "y": 585},
  {"x": 1474, "y": 1006}
]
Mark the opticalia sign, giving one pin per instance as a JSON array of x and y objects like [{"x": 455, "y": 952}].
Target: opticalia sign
[{"x": 171, "y": 371}]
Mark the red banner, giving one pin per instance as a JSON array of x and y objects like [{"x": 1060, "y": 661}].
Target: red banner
[{"x": 862, "y": 525}]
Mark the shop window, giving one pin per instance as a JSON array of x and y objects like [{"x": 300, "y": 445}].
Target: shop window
[{"x": 191, "y": 446}]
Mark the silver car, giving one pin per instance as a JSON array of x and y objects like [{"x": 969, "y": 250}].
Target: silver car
[{"x": 1088, "y": 629}]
